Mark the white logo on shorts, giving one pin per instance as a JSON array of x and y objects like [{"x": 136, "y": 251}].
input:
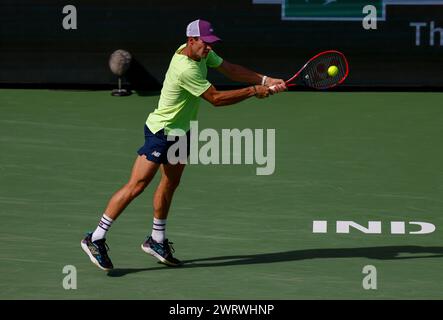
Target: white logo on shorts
[{"x": 156, "y": 154}]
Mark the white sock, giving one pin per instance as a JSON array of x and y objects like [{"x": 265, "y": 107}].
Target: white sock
[
  {"x": 159, "y": 230},
  {"x": 102, "y": 228}
]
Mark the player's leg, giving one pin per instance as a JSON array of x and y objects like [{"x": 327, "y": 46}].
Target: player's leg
[
  {"x": 157, "y": 244},
  {"x": 142, "y": 173},
  {"x": 94, "y": 243},
  {"x": 171, "y": 176}
]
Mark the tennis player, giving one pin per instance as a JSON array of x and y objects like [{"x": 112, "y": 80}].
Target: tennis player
[{"x": 185, "y": 82}]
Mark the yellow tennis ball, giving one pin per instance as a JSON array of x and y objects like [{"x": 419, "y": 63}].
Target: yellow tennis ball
[{"x": 332, "y": 71}]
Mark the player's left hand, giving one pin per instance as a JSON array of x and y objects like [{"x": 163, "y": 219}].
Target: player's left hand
[{"x": 279, "y": 84}]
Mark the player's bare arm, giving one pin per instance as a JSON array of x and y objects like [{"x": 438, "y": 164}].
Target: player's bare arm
[
  {"x": 228, "y": 97},
  {"x": 239, "y": 73}
]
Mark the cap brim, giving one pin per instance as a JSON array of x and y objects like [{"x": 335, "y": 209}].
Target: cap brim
[{"x": 210, "y": 39}]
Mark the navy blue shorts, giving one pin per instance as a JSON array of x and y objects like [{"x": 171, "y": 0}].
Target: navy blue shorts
[{"x": 156, "y": 146}]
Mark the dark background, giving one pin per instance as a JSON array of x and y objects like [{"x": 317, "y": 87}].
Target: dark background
[{"x": 35, "y": 49}]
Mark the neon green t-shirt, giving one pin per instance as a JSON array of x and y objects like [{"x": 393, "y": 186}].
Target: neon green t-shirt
[{"x": 184, "y": 82}]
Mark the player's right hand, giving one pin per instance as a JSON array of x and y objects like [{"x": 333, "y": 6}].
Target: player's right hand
[
  {"x": 262, "y": 91},
  {"x": 278, "y": 88}
]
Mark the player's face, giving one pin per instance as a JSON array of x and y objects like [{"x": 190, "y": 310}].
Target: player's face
[{"x": 200, "y": 48}]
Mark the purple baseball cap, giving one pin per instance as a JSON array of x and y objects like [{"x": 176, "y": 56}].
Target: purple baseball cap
[{"x": 203, "y": 29}]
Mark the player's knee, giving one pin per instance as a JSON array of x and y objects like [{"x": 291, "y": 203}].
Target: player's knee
[
  {"x": 172, "y": 184},
  {"x": 135, "y": 188}
]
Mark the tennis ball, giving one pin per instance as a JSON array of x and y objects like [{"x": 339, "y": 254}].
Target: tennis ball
[{"x": 332, "y": 71}]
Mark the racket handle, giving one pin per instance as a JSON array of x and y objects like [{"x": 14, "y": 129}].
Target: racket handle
[{"x": 275, "y": 89}]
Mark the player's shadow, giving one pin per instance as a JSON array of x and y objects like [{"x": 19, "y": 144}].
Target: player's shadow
[
  {"x": 380, "y": 253},
  {"x": 141, "y": 80}
]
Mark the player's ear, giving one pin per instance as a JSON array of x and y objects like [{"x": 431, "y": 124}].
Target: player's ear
[{"x": 192, "y": 40}]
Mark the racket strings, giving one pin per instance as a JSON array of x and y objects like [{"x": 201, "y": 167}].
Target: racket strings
[{"x": 316, "y": 73}]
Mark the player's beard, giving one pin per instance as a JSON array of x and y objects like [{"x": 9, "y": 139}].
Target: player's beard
[{"x": 205, "y": 53}]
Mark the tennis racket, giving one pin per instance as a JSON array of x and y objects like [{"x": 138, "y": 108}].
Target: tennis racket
[{"x": 314, "y": 74}]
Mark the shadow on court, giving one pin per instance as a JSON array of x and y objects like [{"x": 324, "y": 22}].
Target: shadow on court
[{"x": 380, "y": 253}]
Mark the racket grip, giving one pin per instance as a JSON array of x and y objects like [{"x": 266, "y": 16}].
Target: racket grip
[{"x": 276, "y": 88}]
